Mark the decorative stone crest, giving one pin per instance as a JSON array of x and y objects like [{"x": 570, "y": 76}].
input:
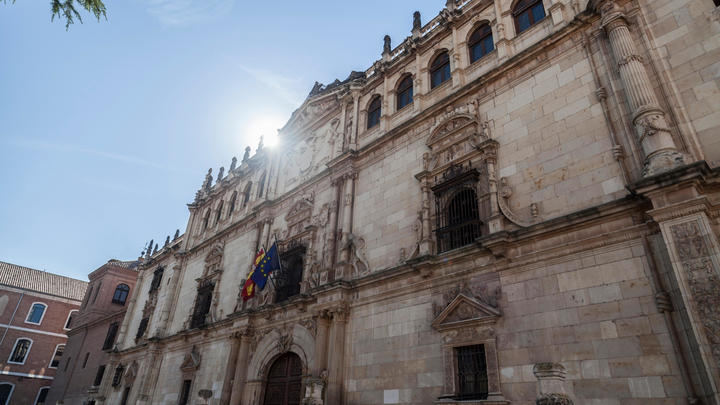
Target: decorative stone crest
[
  {"x": 285, "y": 340},
  {"x": 464, "y": 310},
  {"x": 504, "y": 194},
  {"x": 191, "y": 362}
]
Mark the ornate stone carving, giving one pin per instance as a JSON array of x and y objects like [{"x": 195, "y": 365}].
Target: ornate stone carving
[
  {"x": 310, "y": 324},
  {"x": 504, "y": 194},
  {"x": 357, "y": 264},
  {"x": 285, "y": 340},
  {"x": 191, "y": 362},
  {"x": 703, "y": 279}
]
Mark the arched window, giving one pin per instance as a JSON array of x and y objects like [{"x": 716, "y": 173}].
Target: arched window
[
  {"x": 121, "y": 294},
  {"x": 42, "y": 396},
  {"x": 480, "y": 43},
  {"x": 20, "y": 351},
  {"x": 439, "y": 70},
  {"x": 405, "y": 92},
  {"x": 261, "y": 187},
  {"x": 219, "y": 212},
  {"x": 206, "y": 221},
  {"x": 246, "y": 194},
  {"x": 6, "y": 390},
  {"x": 55, "y": 361},
  {"x": 527, "y": 13},
  {"x": 233, "y": 200},
  {"x": 68, "y": 322},
  {"x": 374, "y": 111},
  {"x": 36, "y": 313}
]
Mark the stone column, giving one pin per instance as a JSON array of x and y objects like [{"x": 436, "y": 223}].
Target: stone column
[
  {"x": 426, "y": 243},
  {"x": 321, "y": 343},
  {"x": 241, "y": 364},
  {"x": 648, "y": 117},
  {"x": 336, "y": 355},
  {"x": 230, "y": 368},
  {"x": 347, "y": 195}
]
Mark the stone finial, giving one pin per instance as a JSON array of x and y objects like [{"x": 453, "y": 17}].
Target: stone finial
[
  {"x": 221, "y": 173},
  {"x": 450, "y": 5},
  {"x": 177, "y": 234},
  {"x": 148, "y": 252},
  {"x": 155, "y": 249},
  {"x": 233, "y": 164},
  {"x": 417, "y": 22},
  {"x": 246, "y": 156},
  {"x": 167, "y": 241},
  {"x": 260, "y": 145},
  {"x": 387, "y": 47},
  {"x": 207, "y": 184}
]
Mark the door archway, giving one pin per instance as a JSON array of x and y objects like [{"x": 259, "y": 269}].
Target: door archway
[{"x": 284, "y": 381}]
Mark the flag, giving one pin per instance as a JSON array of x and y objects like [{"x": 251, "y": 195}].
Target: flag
[
  {"x": 248, "y": 290},
  {"x": 269, "y": 262}
]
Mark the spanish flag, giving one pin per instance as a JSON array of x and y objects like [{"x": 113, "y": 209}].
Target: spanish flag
[{"x": 248, "y": 290}]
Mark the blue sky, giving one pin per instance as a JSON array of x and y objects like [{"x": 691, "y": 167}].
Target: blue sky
[{"x": 107, "y": 130}]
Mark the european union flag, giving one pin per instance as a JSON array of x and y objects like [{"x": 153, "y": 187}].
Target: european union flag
[{"x": 270, "y": 262}]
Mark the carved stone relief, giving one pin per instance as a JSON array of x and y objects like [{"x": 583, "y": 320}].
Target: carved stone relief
[{"x": 703, "y": 279}]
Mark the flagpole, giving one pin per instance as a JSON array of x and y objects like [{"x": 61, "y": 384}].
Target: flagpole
[{"x": 277, "y": 250}]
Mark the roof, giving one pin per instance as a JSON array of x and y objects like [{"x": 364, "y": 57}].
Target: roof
[
  {"x": 41, "y": 281},
  {"x": 128, "y": 264}
]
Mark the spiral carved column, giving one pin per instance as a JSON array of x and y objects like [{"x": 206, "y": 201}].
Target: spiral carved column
[{"x": 648, "y": 117}]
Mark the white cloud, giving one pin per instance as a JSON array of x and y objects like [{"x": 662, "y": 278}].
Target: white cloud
[{"x": 187, "y": 12}]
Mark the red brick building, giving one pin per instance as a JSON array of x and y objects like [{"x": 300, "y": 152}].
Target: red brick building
[
  {"x": 36, "y": 311},
  {"x": 93, "y": 334}
]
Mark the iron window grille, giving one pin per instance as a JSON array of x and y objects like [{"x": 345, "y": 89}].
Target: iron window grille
[
  {"x": 456, "y": 205},
  {"x": 472, "y": 374},
  {"x": 480, "y": 43},
  {"x": 142, "y": 328},
  {"x": 202, "y": 305},
  {"x": 110, "y": 337},
  {"x": 287, "y": 280},
  {"x": 22, "y": 347},
  {"x": 117, "y": 377}
]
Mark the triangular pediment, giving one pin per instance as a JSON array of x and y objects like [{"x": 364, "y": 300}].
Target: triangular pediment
[
  {"x": 465, "y": 311},
  {"x": 191, "y": 362},
  {"x": 450, "y": 125}
]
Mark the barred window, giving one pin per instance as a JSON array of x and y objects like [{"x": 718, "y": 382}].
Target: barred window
[
  {"x": 459, "y": 222},
  {"x": 20, "y": 351},
  {"x": 472, "y": 374},
  {"x": 117, "y": 377},
  {"x": 110, "y": 336},
  {"x": 142, "y": 328},
  {"x": 202, "y": 305},
  {"x": 99, "y": 376},
  {"x": 288, "y": 278},
  {"x": 157, "y": 279}
]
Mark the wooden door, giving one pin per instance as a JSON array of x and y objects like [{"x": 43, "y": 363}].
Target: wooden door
[{"x": 284, "y": 381}]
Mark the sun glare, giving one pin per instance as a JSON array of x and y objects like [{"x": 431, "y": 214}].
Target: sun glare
[{"x": 266, "y": 126}]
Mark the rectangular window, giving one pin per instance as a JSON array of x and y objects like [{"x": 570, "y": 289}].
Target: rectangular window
[
  {"x": 99, "y": 376},
  {"x": 157, "y": 278},
  {"x": 56, "y": 357},
  {"x": 185, "y": 394},
  {"x": 202, "y": 305},
  {"x": 20, "y": 351},
  {"x": 472, "y": 372},
  {"x": 287, "y": 280},
  {"x": 142, "y": 328},
  {"x": 36, "y": 313},
  {"x": 110, "y": 337},
  {"x": 117, "y": 377},
  {"x": 125, "y": 395}
]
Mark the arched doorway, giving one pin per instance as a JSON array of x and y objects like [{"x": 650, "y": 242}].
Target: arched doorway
[{"x": 284, "y": 381}]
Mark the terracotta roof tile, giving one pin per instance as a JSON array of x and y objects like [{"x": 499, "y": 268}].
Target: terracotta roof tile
[{"x": 41, "y": 281}]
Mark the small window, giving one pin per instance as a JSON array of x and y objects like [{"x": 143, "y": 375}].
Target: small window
[
  {"x": 36, "y": 313},
  {"x": 218, "y": 216},
  {"x": 42, "y": 396},
  {"x": 99, "y": 376},
  {"x": 20, "y": 351},
  {"x": 287, "y": 280},
  {"x": 55, "y": 362},
  {"x": 206, "y": 221},
  {"x": 87, "y": 356},
  {"x": 117, "y": 377},
  {"x": 472, "y": 375},
  {"x": 142, "y": 328},
  {"x": 246, "y": 194},
  {"x": 125, "y": 395},
  {"x": 68, "y": 322},
  {"x": 157, "y": 279},
  {"x": 185, "y": 393},
  {"x": 374, "y": 111},
  {"x": 439, "y": 70},
  {"x": 6, "y": 390},
  {"x": 261, "y": 187},
  {"x": 405, "y": 92},
  {"x": 110, "y": 336},
  {"x": 97, "y": 291},
  {"x": 527, "y": 13},
  {"x": 233, "y": 200},
  {"x": 480, "y": 43},
  {"x": 459, "y": 223},
  {"x": 121, "y": 294}
]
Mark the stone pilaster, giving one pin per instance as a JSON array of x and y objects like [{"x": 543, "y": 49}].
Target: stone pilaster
[
  {"x": 551, "y": 384},
  {"x": 336, "y": 355},
  {"x": 241, "y": 364},
  {"x": 230, "y": 368},
  {"x": 426, "y": 243},
  {"x": 648, "y": 117}
]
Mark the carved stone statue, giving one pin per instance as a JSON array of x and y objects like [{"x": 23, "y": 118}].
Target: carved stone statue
[
  {"x": 221, "y": 173},
  {"x": 386, "y": 45},
  {"x": 233, "y": 164},
  {"x": 417, "y": 23},
  {"x": 246, "y": 156}
]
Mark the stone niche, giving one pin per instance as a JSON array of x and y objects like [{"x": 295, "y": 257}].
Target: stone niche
[{"x": 468, "y": 321}]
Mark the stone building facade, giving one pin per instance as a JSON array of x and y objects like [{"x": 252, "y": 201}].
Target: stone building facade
[
  {"x": 36, "y": 311},
  {"x": 519, "y": 203},
  {"x": 93, "y": 333}
]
